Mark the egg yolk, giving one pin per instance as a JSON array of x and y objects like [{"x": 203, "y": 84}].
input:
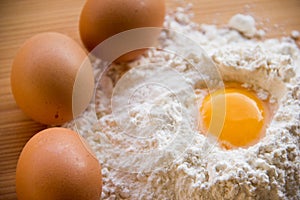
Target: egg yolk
[{"x": 243, "y": 117}]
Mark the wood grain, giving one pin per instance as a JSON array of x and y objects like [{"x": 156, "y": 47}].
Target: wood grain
[{"x": 22, "y": 19}]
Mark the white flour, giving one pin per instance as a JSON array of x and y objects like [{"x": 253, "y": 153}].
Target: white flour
[{"x": 190, "y": 166}]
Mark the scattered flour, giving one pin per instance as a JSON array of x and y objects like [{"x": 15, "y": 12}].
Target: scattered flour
[
  {"x": 200, "y": 169},
  {"x": 243, "y": 23},
  {"x": 295, "y": 34}
]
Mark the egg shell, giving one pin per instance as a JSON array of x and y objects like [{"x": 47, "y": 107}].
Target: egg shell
[
  {"x": 100, "y": 20},
  {"x": 44, "y": 72},
  {"x": 56, "y": 163}
]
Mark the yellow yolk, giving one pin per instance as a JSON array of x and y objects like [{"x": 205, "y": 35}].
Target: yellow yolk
[{"x": 243, "y": 121}]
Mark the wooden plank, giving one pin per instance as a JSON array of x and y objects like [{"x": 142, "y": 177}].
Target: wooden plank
[{"x": 22, "y": 19}]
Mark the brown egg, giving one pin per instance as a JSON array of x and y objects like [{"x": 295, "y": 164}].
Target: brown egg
[
  {"x": 56, "y": 163},
  {"x": 51, "y": 79},
  {"x": 100, "y": 20}
]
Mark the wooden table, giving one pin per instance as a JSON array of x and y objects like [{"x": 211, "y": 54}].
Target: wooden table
[{"x": 22, "y": 19}]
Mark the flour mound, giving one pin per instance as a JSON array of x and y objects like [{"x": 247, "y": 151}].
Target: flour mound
[{"x": 266, "y": 170}]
